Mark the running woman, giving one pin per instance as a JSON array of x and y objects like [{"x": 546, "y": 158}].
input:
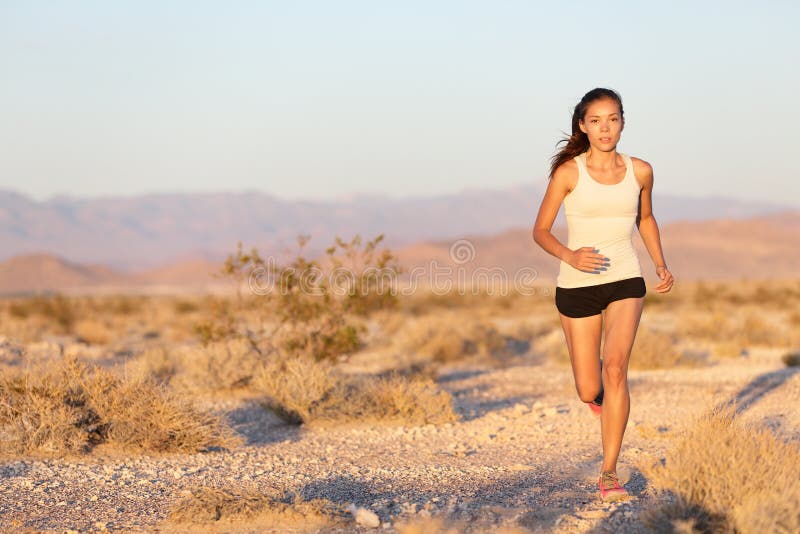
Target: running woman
[{"x": 605, "y": 193}]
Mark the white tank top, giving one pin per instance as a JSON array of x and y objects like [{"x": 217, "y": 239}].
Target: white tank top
[{"x": 601, "y": 216}]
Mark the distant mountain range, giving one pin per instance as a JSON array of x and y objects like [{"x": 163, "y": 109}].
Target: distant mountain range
[
  {"x": 722, "y": 249},
  {"x": 131, "y": 234}
]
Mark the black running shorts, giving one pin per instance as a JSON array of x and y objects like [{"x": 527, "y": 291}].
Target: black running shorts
[{"x": 591, "y": 300}]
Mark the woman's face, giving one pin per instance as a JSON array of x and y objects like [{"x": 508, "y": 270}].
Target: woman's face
[{"x": 603, "y": 124}]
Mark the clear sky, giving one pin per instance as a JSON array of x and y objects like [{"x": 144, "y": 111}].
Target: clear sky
[{"x": 326, "y": 99}]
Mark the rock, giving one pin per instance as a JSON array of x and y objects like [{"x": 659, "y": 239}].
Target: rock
[{"x": 364, "y": 517}]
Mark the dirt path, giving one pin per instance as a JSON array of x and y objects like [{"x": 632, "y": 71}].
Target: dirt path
[{"x": 525, "y": 453}]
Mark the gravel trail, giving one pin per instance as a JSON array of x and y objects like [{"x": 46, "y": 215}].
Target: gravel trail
[{"x": 525, "y": 453}]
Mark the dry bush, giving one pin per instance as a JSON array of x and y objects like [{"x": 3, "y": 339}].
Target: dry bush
[
  {"x": 302, "y": 390},
  {"x": 653, "y": 349},
  {"x": 230, "y": 510},
  {"x": 724, "y": 475},
  {"x": 156, "y": 363},
  {"x": 791, "y": 359},
  {"x": 93, "y": 331},
  {"x": 224, "y": 365},
  {"x": 321, "y": 337},
  {"x": 58, "y": 311},
  {"x": 221, "y": 365},
  {"x": 793, "y": 319},
  {"x": 449, "y": 337},
  {"x": 72, "y": 407},
  {"x": 314, "y": 312},
  {"x": 732, "y": 330}
]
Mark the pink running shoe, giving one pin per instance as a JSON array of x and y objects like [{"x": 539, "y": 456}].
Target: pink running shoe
[{"x": 610, "y": 490}]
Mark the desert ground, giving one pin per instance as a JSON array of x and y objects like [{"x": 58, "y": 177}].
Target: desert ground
[{"x": 419, "y": 413}]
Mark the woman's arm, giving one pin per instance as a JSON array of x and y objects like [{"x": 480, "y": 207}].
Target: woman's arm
[
  {"x": 648, "y": 227},
  {"x": 557, "y": 189},
  {"x": 584, "y": 258}
]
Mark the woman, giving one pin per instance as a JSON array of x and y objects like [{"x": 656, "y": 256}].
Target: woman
[{"x": 604, "y": 194}]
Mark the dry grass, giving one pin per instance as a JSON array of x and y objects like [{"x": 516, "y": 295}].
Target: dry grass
[
  {"x": 732, "y": 329},
  {"x": 233, "y": 510},
  {"x": 725, "y": 476},
  {"x": 93, "y": 331},
  {"x": 447, "y": 337},
  {"x": 72, "y": 407},
  {"x": 303, "y": 390},
  {"x": 791, "y": 359},
  {"x": 219, "y": 366},
  {"x": 653, "y": 349}
]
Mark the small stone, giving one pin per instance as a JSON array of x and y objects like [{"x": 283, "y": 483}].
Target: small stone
[{"x": 365, "y": 517}]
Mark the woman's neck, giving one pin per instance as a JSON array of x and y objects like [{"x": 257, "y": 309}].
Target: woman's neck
[{"x": 602, "y": 160}]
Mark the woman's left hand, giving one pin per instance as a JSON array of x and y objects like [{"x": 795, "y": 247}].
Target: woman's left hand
[{"x": 666, "y": 279}]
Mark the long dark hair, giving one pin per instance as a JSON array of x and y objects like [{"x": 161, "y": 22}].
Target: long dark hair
[{"x": 578, "y": 142}]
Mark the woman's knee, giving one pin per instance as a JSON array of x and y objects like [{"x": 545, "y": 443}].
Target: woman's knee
[
  {"x": 587, "y": 393},
  {"x": 614, "y": 374}
]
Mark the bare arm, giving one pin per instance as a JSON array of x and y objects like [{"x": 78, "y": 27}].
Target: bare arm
[
  {"x": 584, "y": 258},
  {"x": 557, "y": 189},
  {"x": 648, "y": 227}
]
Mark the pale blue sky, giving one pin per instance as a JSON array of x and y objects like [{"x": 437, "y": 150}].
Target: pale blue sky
[{"x": 325, "y": 99}]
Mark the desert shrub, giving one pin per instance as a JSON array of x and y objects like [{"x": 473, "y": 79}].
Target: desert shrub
[
  {"x": 370, "y": 277},
  {"x": 449, "y": 337},
  {"x": 732, "y": 330},
  {"x": 653, "y": 349},
  {"x": 56, "y": 309},
  {"x": 156, "y": 363},
  {"x": 303, "y": 390},
  {"x": 224, "y": 365},
  {"x": 324, "y": 337},
  {"x": 71, "y": 407},
  {"x": 93, "y": 331},
  {"x": 791, "y": 359},
  {"x": 114, "y": 304},
  {"x": 723, "y": 475},
  {"x": 182, "y": 307},
  {"x": 219, "y": 324},
  {"x": 231, "y": 509},
  {"x": 314, "y": 316}
]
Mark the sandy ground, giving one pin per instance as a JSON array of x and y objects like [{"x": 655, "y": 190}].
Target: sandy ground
[{"x": 526, "y": 453}]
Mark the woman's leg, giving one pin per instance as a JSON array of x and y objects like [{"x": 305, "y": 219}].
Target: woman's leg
[
  {"x": 619, "y": 330},
  {"x": 583, "y": 342}
]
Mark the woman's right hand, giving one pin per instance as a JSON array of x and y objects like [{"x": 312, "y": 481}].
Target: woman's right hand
[{"x": 587, "y": 260}]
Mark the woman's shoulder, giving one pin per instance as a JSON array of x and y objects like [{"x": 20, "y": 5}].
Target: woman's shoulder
[
  {"x": 642, "y": 170},
  {"x": 640, "y": 164},
  {"x": 566, "y": 174}
]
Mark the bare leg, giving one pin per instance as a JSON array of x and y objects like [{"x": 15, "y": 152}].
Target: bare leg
[
  {"x": 619, "y": 330},
  {"x": 583, "y": 341}
]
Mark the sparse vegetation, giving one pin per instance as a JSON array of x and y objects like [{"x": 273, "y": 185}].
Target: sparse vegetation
[
  {"x": 725, "y": 476},
  {"x": 653, "y": 349},
  {"x": 229, "y": 510},
  {"x": 72, "y": 407},
  {"x": 791, "y": 359},
  {"x": 313, "y": 313},
  {"x": 303, "y": 390},
  {"x": 82, "y": 374}
]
